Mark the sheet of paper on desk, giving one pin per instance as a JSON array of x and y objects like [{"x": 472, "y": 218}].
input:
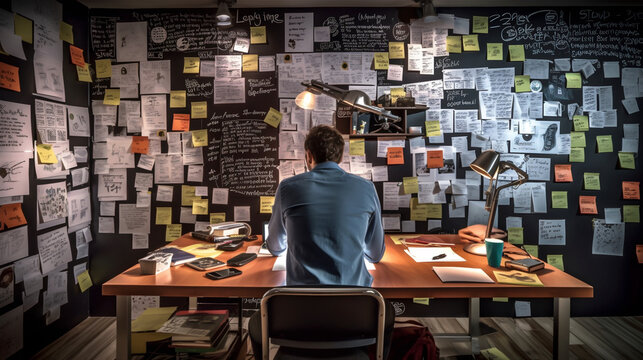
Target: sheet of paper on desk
[
  {"x": 428, "y": 254},
  {"x": 461, "y": 274}
]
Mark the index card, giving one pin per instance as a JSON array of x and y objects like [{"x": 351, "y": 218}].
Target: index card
[
  {"x": 13, "y": 244},
  {"x": 106, "y": 225},
  {"x": 395, "y": 72},
  {"x": 54, "y": 250},
  {"x": 522, "y": 308},
  {"x": 220, "y": 196},
  {"x": 298, "y": 32},
  {"x": 612, "y": 215},
  {"x": 551, "y": 232},
  {"x": 611, "y": 69},
  {"x": 321, "y": 33},
  {"x": 537, "y": 68},
  {"x": 132, "y": 44},
  {"x": 242, "y": 213},
  {"x": 608, "y": 238}
]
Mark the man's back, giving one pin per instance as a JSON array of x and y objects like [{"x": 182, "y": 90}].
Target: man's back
[{"x": 332, "y": 220}]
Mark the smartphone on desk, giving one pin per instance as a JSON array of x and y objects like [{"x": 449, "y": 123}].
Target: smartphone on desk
[
  {"x": 242, "y": 259},
  {"x": 222, "y": 274}
]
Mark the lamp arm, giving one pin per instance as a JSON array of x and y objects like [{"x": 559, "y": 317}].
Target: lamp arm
[{"x": 522, "y": 178}]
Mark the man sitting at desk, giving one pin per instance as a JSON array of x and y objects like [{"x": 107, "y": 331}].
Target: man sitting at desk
[{"x": 328, "y": 221}]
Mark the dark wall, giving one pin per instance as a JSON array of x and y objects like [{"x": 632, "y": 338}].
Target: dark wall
[
  {"x": 36, "y": 334},
  {"x": 546, "y": 34}
]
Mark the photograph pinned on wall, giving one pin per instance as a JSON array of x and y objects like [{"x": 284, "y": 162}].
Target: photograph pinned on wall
[
  {"x": 52, "y": 201},
  {"x": 544, "y": 140},
  {"x": 131, "y": 41},
  {"x": 78, "y": 119}
]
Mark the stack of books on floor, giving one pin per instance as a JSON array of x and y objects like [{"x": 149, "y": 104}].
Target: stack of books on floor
[{"x": 203, "y": 332}]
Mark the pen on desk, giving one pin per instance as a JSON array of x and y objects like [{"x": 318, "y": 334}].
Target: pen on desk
[{"x": 438, "y": 257}]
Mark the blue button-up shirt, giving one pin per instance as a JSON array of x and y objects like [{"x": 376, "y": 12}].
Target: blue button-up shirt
[{"x": 328, "y": 221}]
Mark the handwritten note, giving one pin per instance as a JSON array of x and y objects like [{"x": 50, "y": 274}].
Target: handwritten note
[
  {"x": 191, "y": 65},
  {"x": 200, "y": 137},
  {"x": 112, "y": 97},
  {"x": 181, "y": 122},
  {"x": 23, "y": 27},
  {"x": 454, "y": 44},
  {"x": 396, "y": 50},
  {"x": 577, "y": 155},
  {"x": 411, "y": 185},
  {"x": 604, "y": 143},
  {"x": 250, "y": 63},
  {"x": 199, "y": 110},
  {"x": 395, "y": 156},
  {"x": 173, "y": 232},
  {"x": 587, "y": 204},
  {"x": 516, "y": 53},
  {"x": 76, "y": 55},
  {"x": 433, "y": 128},
  {"x": 592, "y": 181},
  {"x": 470, "y": 43},
  {"x": 381, "y": 61},
  {"x": 581, "y": 123},
  {"x": 551, "y": 232},
  {"x": 481, "y": 24},
  {"x": 626, "y": 160},
  {"x": 257, "y": 35},
  {"x": 577, "y": 139},
  {"x": 494, "y": 51},
  {"x": 357, "y": 147},
  {"x": 46, "y": 154},
  {"x": 83, "y": 73},
  {"x": 556, "y": 261},
  {"x": 273, "y": 117},
  {"x": 515, "y": 235},
  {"x": 140, "y": 144},
  {"x": 66, "y": 32},
  {"x": 559, "y": 199},
  {"x": 11, "y": 215},
  {"x": 573, "y": 80},
  {"x": 217, "y": 218},
  {"x": 521, "y": 83},
  {"x": 563, "y": 173},
  {"x": 163, "y": 215},
  {"x": 104, "y": 68},
  {"x": 631, "y": 190},
  {"x": 84, "y": 281},
  {"x": 9, "y": 77},
  {"x": 177, "y": 98},
  {"x": 200, "y": 207},
  {"x": 434, "y": 159},
  {"x": 265, "y": 204},
  {"x": 632, "y": 213}
]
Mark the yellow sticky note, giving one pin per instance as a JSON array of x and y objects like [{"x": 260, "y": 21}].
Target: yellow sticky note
[
  {"x": 411, "y": 185},
  {"x": 23, "y": 27},
  {"x": 500, "y": 299},
  {"x": 578, "y": 139},
  {"x": 419, "y": 212},
  {"x": 381, "y": 60},
  {"x": 481, "y": 24},
  {"x": 454, "y": 44},
  {"x": 516, "y": 53},
  {"x": 112, "y": 97},
  {"x": 191, "y": 65},
  {"x": 46, "y": 154},
  {"x": 357, "y": 147},
  {"x": 434, "y": 211},
  {"x": 421, "y": 301},
  {"x": 556, "y": 261},
  {"x": 532, "y": 250},
  {"x": 273, "y": 117},
  {"x": 515, "y": 235},
  {"x": 200, "y": 207},
  {"x": 433, "y": 128},
  {"x": 173, "y": 232},
  {"x": 217, "y": 218},
  {"x": 592, "y": 181},
  {"x": 631, "y": 213},
  {"x": 397, "y": 93},
  {"x": 395, "y": 50},
  {"x": 103, "y": 68},
  {"x": 163, "y": 215},
  {"x": 199, "y": 110},
  {"x": 188, "y": 195},
  {"x": 83, "y": 73},
  {"x": 84, "y": 281},
  {"x": 66, "y": 32},
  {"x": 522, "y": 83},
  {"x": 559, "y": 199},
  {"x": 250, "y": 62},
  {"x": 493, "y": 353},
  {"x": 626, "y": 160},
  {"x": 265, "y": 204},
  {"x": 577, "y": 155},
  {"x": 581, "y": 123},
  {"x": 604, "y": 143},
  {"x": 200, "y": 137},
  {"x": 573, "y": 80},
  {"x": 257, "y": 34},
  {"x": 470, "y": 43},
  {"x": 177, "y": 98},
  {"x": 494, "y": 51}
]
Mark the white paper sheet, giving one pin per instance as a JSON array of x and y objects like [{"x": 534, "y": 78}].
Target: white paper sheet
[
  {"x": 54, "y": 250},
  {"x": 131, "y": 41}
]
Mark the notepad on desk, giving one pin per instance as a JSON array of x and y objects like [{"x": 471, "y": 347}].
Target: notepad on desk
[
  {"x": 461, "y": 274},
  {"x": 515, "y": 277},
  {"x": 430, "y": 254}
]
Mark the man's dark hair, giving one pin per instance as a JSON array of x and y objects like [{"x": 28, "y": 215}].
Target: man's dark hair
[{"x": 325, "y": 143}]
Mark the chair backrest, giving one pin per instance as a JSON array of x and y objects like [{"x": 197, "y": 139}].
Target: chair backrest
[{"x": 323, "y": 318}]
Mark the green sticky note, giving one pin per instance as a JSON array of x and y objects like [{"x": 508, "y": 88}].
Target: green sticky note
[
  {"x": 23, "y": 27},
  {"x": 532, "y": 250},
  {"x": 163, "y": 215},
  {"x": 493, "y": 353},
  {"x": 515, "y": 235},
  {"x": 631, "y": 213},
  {"x": 494, "y": 51},
  {"x": 522, "y": 83},
  {"x": 626, "y": 160},
  {"x": 173, "y": 232},
  {"x": 604, "y": 143},
  {"x": 516, "y": 53},
  {"x": 500, "y": 299},
  {"x": 84, "y": 281},
  {"x": 578, "y": 139},
  {"x": 556, "y": 261},
  {"x": 481, "y": 24},
  {"x": 559, "y": 199},
  {"x": 581, "y": 123},
  {"x": 273, "y": 117},
  {"x": 470, "y": 43},
  {"x": 411, "y": 185},
  {"x": 592, "y": 181},
  {"x": 423, "y": 301},
  {"x": 188, "y": 195},
  {"x": 66, "y": 32},
  {"x": 573, "y": 80},
  {"x": 454, "y": 44},
  {"x": 577, "y": 155}
]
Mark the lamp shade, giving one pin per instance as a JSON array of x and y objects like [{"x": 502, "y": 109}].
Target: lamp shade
[
  {"x": 305, "y": 100},
  {"x": 224, "y": 18},
  {"x": 356, "y": 97},
  {"x": 486, "y": 164}
]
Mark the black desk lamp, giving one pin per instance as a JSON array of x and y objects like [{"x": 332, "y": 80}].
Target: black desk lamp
[{"x": 488, "y": 164}]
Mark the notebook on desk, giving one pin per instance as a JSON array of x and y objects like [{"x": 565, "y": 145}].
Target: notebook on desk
[{"x": 461, "y": 274}]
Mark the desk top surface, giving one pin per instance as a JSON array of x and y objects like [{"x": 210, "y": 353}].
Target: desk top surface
[{"x": 395, "y": 276}]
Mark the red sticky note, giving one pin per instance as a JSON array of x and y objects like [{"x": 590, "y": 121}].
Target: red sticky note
[
  {"x": 434, "y": 159},
  {"x": 140, "y": 144},
  {"x": 563, "y": 173},
  {"x": 639, "y": 253},
  {"x": 631, "y": 190},
  {"x": 587, "y": 204},
  {"x": 181, "y": 122},
  {"x": 9, "y": 77},
  {"x": 11, "y": 215},
  {"x": 395, "y": 156},
  {"x": 76, "y": 55}
]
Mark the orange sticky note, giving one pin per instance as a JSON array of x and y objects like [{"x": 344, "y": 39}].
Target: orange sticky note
[
  {"x": 76, "y": 55},
  {"x": 395, "y": 156},
  {"x": 9, "y": 77},
  {"x": 11, "y": 215},
  {"x": 563, "y": 173},
  {"x": 639, "y": 253},
  {"x": 434, "y": 159},
  {"x": 631, "y": 190},
  {"x": 587, "y": 204},
  {"x": 140, "y": 144},
  {"x": 181, "y": 122}
]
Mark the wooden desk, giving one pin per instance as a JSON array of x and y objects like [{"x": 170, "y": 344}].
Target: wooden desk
[{"x": 395, "y": 276}]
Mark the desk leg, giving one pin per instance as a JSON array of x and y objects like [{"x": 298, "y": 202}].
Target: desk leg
[
  {"x": 123, "y": 327},
  {"x": 474, "y": 324},
  {"x": 561, "y": 328}
]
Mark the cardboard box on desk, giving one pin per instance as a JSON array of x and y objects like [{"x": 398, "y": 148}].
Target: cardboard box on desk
[{"x": 154, "y": 263}]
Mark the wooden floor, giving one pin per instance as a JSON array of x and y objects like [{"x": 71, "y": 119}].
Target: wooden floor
[{"x": 525, "y": 338}]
